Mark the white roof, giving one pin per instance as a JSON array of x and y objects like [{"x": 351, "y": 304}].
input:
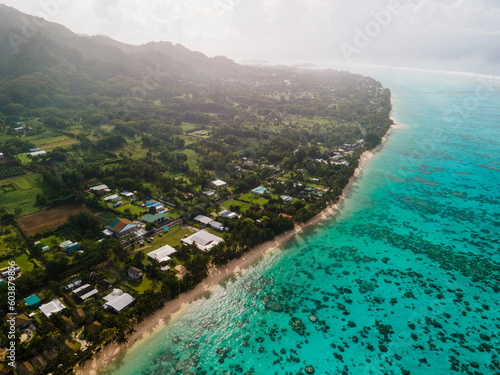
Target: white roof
[
  {"x": 115, "y": 293},
  {"x": 107, "y": 232},
  {"x": 90, "y": 293},
  {"x": 162, "y": 254},
  {"x": 35, "y": 153},
  {"x": 286, "y": 198},
  {"x": 217, "y": 225},
  {"x": 99, "y": 187},
  {"x": 127, "y": 194},
  {"x": 52, "y": 307},
  {"x": 228, "y": 214},
  {"x": 219, "y": 183},
  {"x": 203, "y": 219},
  {"x": 203, "y": 240},
  {"x": 111, "y": 197},
  {"x": 118, "y": 303}
]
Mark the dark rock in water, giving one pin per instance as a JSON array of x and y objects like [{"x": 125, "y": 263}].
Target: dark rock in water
[
  {"x": 275, "y": 306},
  {"x": 298, "y": 326},
  {"x": 484, "y": 337},
  {"x": 411, "y": 325},
  {"x": 383, "y": 348},
  {"x": 261, "y": 349},
  {"x": 309, "y": 370},
  {"x": 183, "y": 365},
  {"x": 355, "y": 338},
  {"x": 283, "y": 351}
]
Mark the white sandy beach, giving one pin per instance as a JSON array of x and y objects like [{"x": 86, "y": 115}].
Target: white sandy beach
[{"x": 157, "y": 320}]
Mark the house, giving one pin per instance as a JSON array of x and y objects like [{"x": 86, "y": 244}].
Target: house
[
  {"x": 69, "y": 245},
  {"x": 68, "y": 325},
  {"x": 52, "y": 307},
  {"x": 134, "y": 273},
  {"x": 1, "y": 155},
  {"x": 127, "y": 194},
  {"x": 217, "y": 226},
  {"x": 105, "y": 284},
  {"x": 39, "y": 362},
  {"x": 228, "y": 214},
  {"x": 21, "y": 322},
  {"x": 337, "y": 157},
  {"x": 286, "y": 198},
  {"x": 50, "y": 354},
  {"x": 94, "y": 328},
  {"x": 209, "y": 193},
  {"x": 74, "y": 285},
  {"x": 32, "y": 301},
  {"x": 44, "y": 248},
  {"x": 85, "y": 291},
  {"x": 219, "y": 184},
  {"x": 100, "y": 189},
  {"x": 203, "y": 240},
  {"x": 25, "y": 368},
  {"x": 118, "y": 300},
  {"x": 156, "y": 218},
  {"x": 162, "y": 254},
  {"x": 111, "y": 198},
  {"x": 122, "y": 227},
  {"x": 79, "y": 315},
  {"x": 261, "y": 190},
  {"x": 203, "y": 219},
  {"x": 286, "y": 215}
]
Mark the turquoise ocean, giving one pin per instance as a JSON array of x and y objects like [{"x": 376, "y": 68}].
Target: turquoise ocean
[{"x": 405, "y": 279}]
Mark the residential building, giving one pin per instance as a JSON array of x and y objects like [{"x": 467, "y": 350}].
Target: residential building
[
  {"x": 127, "y": 194},
  {"x": 112, "y": 198},
  {"x": 69, "y": 245},
  {"x": 105, "y": 284},
  {"x": 22, "y": 321},
  {"x": 134, "y": 273},
  {"x": 209, "y": 193},
  {"x": 156, "y": 218},
  {"x": 228, "y": 214},
  {"x": 162, "y": 254},
  {"x": 217, "y": 226},
  {"x": 74, "y": 285},
  {"x": 122, "y": 227},
  {"x": 79, "y": 315},
  {"x": 203, "y": 240},
  {"x": 94, "y": 327},
  {"x": 203, "y": 219},
  {"x": 286, "y": 198},
  {"x": 100, "y": 189},
  {"x": 219, "y": 184},
  {"x": 85, "y": 291},
  {"x": 118, "y": 300},
  {"x": 261, "y": 190},
  {"x": 52, "y": 307},
  {"x": 32, "y": 301}
]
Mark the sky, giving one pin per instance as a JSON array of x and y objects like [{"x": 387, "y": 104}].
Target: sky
[{"x": 461, "y": 35}]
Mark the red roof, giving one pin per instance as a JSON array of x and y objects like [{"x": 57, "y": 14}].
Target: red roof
[{"x": 285, "y": 215}]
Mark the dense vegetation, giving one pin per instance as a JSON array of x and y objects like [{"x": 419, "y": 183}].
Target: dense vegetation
[{"x": 163, "y": 122}]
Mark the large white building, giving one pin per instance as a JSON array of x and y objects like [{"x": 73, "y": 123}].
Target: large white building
[
  {"x": 162, "y": 254},
  {"x": 203, "y": 240}
]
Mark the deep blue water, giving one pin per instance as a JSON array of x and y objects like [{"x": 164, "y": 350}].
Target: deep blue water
[{"x": 404, "y": 278}]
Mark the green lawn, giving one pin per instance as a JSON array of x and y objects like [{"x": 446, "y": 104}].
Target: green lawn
[
  {"x": 22, "y": 261},
  {"x": 232, "y": 202},
  {"x": 253, "y": 198},
  {"x": 23, "y": 198},
  {"x": 133, "y": 209},
  {"x": 9, "y": 242},
  {"x": 142, "y": 285},
  {"x": 51, "y": 241},
  {"x": 192, "y": 159},
  {"x": 171, "y": 237}
]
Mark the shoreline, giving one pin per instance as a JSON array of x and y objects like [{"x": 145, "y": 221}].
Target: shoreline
[{"x": 101, "y": 361}]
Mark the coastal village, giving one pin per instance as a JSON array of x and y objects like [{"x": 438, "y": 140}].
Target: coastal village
[{"x": 109, "y": 212}]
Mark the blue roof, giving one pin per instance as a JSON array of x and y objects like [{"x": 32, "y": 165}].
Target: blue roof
[
  {"x": 149, "y": 203},
  {"x": 32, "y": 300}
]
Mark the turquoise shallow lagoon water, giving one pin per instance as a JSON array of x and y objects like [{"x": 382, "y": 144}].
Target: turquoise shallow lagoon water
[{"x": 405, "y": 279}]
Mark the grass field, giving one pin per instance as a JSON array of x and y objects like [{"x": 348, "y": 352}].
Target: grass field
[
  {"x": 232, "y": 202},
  {"x": 192, "y": 159},
  {"x": 23, "y": 197},
  {"x": 142, "y": 285},
  {"x": 22, "y": 261},
  {"x": 253, "y": 198},
  {"x": 133, "y": 209},
  {"x": 9, "y": 242},
  {"x": 172, "y": 237},
  {"x": 49, "y": 219}
]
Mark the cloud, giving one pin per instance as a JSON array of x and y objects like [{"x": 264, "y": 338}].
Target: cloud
[{"x": 418, "y": 30}]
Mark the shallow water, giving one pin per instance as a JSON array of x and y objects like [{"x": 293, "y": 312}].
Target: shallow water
[{"x": 405, "y": 278}]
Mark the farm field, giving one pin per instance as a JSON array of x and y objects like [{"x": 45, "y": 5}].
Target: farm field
[
  {"x": 6, "y": 172},
  {"x": 49, "y": 219},
  {"x": 17, "y": 194},
  {"x": 253, "y": 198}
]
